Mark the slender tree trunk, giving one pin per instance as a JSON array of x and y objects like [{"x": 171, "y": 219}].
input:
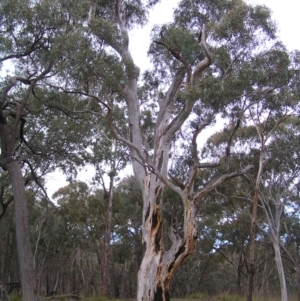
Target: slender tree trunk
[
  {"x": 298, "y": 280},
  {"x": 251, "y": 266},
  {"x": 26, "y": 264},
  {"x": 297, "y": 266},
  {"x": 2, "y": 252},
  {"x": 238, "y": 274},
  {"x": 281, "y": 275},
  {"x": 106, "y": 272}
]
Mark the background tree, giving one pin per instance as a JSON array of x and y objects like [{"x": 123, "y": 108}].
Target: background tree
[{"x": 30, "y": 42}]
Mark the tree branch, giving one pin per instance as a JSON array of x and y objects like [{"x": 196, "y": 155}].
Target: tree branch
[
  {"x": 206, "y": 62},
  {"x": 178, "y": 57},
  {"x": 219, "y": 180}
]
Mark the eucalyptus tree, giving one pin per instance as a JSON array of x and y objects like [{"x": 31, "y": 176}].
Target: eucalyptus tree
[
  {"x": 279, "y": 193},
  {"x": 109, "y": 157},
  {"x": 127, "y": 234},
  {"x": 81, "y": 220},
  {"x": 291, "y": 245},
  {"x": 277, "y": 106},
  {"x": 264, "y": 114},
  {"x": 203, "y": 64}
]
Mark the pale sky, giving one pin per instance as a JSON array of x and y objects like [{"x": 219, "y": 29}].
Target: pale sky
[{"x": 286, "y": 15}]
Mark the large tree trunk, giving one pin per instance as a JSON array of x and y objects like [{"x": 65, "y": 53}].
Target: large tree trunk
[
  {"x": 26, "y": 264},
  {"x": 158, "y": 264}
]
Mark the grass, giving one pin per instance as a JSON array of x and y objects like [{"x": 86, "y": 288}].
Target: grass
[
  {"x": 98, "y": 298},
  {"x": 192, "y": 297},
  {"x": 15, "y": 298}
]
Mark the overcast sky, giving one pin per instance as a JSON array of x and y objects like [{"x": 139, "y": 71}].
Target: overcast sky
[{"x": 286, "y": 15}]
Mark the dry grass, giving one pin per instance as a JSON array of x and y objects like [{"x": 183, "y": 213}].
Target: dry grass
[{"x": 192, "y": 297}]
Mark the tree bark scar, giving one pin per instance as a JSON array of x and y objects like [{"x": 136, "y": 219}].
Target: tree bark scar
[
  {"x": 157, "y": 194},
  {"x": 167, "y": 295},
  {"x": 157, "y": 241},
  {"x": 130, "y": 131},
  {"x": 147, "y": 213},
  {"x": 158, "y": 293},
  {"x": 160, "y": 161},
  {"x": 180, "y": 251},
  {"x": 156, "y": 190},
  {"x": 155, "y": 218},
  {"x": 144, "y": 245}
]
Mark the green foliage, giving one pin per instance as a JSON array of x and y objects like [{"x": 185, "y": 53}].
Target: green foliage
[{"x": 16, "y": 298}]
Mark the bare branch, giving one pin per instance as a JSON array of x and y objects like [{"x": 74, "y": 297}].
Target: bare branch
[
  {"x": 227, "y": 152},
  {"x": 219, "y": 180},
  {"x": 206, "y": 62},
  {"x": 178, "y": 57},
  {"x": 196, "y": 163},
  {"x": 37, "y": 179},
  {"x": 92, "y": 12}
]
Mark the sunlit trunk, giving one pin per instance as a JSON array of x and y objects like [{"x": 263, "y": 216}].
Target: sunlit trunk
[{"x": 26, "y": 264}]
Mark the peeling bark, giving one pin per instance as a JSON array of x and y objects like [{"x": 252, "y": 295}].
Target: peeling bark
[{"x": 158, "y": 265}]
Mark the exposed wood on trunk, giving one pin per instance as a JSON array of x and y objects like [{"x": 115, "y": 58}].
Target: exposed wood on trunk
[{"x": 151, "y": 170}]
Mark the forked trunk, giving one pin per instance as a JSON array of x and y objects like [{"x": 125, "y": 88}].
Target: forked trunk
[
  {"x": 158, "y": 265},
  {"x": 26, "y": 264}
]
